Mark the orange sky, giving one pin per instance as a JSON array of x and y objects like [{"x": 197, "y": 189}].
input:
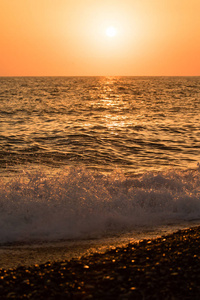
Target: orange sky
[{"x": 68, "y": 37}]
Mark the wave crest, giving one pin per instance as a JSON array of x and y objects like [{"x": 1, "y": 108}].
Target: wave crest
[{"x": 79, "y": 203}]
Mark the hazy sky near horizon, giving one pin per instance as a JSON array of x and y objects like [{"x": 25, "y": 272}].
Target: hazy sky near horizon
[{"x": 99, "y": 37}]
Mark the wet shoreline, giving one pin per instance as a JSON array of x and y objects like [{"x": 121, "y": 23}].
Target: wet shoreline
[
  {"x": 28, "y": 253},
  {"x": 163, "y": 268}
]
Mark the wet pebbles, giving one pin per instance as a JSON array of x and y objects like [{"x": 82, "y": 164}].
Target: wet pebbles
[{"x": 163, "y": 268}]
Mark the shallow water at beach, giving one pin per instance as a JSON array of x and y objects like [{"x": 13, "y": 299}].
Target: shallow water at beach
[
  {"x": 29, "y": 254},
  {"x": 97, "y": 157}
]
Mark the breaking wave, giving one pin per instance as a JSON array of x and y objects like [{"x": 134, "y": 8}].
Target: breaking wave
[{"x": 78, "y": 203}]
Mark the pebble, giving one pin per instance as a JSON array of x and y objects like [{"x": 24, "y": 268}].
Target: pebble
[{"x": 162, "y": 268}]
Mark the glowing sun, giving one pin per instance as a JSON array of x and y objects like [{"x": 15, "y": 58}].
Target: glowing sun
[{"x": 111, "y": 31}]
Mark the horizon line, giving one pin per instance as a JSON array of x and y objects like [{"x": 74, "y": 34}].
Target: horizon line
[{"x": 99, "y": 76}]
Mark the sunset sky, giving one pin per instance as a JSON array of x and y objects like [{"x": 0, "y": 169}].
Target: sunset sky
[{"x": 99, "y": 37}]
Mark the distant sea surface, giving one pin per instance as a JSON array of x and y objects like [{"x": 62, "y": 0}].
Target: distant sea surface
[
  {"x": 88, "y": 156},
  {"x": 136, "y": 124}
]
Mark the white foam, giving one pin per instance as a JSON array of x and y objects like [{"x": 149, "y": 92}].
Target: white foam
[{"x": 78, "y": 203}]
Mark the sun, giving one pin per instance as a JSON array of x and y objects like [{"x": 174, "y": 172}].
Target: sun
[{"x": 111, "y": 31}]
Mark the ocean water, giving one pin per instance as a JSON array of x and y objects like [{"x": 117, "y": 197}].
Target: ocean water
[{"x": 90, "y": 157}]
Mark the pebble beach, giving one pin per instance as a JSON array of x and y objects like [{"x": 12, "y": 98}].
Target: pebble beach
[{"x": 163, "y": 268}]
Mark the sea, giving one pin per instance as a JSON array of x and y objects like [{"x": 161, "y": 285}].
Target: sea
[{"x": 91, "y": 158}]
